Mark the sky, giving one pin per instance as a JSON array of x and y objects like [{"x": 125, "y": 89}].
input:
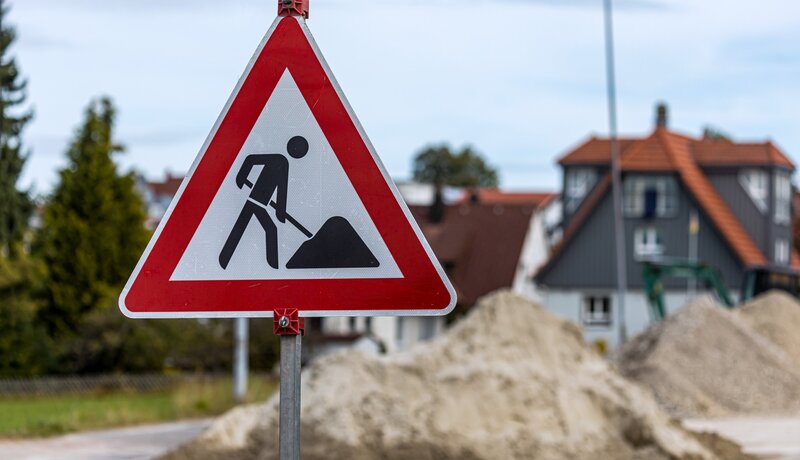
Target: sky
[{"x": 522, "y": 81}]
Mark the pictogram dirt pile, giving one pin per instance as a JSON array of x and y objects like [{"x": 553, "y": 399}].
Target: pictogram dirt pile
[
  {"x": 708, "y": 361},
  {"x": 510, "y": 381}
]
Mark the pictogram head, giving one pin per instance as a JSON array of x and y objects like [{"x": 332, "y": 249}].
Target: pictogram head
[{"x": 297, "y": 147}]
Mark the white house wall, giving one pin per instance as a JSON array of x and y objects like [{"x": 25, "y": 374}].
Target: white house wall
[
  {"x": 395, "y": 333},
  {"x": 532, "y": 256},
  {"x": 568, "y": 303},
  {"x": 536, "y": 249}
]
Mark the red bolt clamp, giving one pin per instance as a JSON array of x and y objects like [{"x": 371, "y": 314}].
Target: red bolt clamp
[
  {"x": 293, "y": 8},
  {"x": 287, "y": 321}
]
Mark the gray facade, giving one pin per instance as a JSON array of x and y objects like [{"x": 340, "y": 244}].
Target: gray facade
[
  {"x": 761, "y": 226},
  {"x": 587, "y": 262},
  {"x": 727, "y": 183}
]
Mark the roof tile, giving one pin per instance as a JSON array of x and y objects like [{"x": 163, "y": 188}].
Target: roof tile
[
  {"x": 466, "y": 243},
  {"x": 706, "y": 153}
]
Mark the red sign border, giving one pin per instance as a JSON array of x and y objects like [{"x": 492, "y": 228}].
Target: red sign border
[{"x": 424, "y": 288}]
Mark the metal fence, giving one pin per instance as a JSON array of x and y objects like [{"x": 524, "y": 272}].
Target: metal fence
[{"x": 91, "y": 384}]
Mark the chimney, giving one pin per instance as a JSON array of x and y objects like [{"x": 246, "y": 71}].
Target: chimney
[
  {"x": 474, "y": 196},
  {"x": 436, "y": 211},
  {"x": 661, "y": 115}
]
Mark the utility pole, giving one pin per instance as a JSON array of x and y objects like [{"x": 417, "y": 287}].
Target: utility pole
[{"x": 616, "y": 179}]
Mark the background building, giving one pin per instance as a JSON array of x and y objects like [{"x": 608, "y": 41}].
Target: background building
[{"x": 738, "y": 194}]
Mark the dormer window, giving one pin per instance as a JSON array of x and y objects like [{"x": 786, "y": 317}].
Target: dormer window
[
  {"x": 650, "y": 196},
  {"x": 579, "y": 182},
  {"x": 783, "y": 199},
  {"x": 756, "y": 183}
]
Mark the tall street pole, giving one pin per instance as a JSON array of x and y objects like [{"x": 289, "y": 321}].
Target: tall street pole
[{"x": 616, "y": 180}]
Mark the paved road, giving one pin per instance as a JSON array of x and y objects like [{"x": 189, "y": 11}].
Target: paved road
[
  {"x": 773, "y": 437},
  {"x": 769, "y": 437},
  {"x": 136, "y": 443}
]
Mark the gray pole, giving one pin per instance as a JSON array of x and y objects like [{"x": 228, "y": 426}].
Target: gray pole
[
  {"x": 619, "y": 229},
  {"x": 240, "y": 361},
  {"x": 289, "y": 434}
]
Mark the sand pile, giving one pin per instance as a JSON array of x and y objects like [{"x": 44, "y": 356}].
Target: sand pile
[
  {"x": 708, "y": 361},
  {"x": 511, "y": 381},
  {"x": 776, "y": 316}
]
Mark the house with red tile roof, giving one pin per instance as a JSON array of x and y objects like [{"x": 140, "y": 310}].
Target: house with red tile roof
[{"x": 740, "y": 193}]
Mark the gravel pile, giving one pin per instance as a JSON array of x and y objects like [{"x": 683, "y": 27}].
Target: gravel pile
[
  {"x": 708, "y": 361},
  {"x": 776, "y": 316},
  {"x": 510, "y": 381}
]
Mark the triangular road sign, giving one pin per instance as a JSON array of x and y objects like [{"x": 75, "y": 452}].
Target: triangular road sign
[{"x": 287, "y": 206}]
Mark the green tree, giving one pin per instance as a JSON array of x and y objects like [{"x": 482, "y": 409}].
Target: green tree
[
  {"x": 440, "y": 166},
  {"x": 93, "y": 226},
  {"x": 24, "y": 345},
  {"x": 15, "y": 205}
]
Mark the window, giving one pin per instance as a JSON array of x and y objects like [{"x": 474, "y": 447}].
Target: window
[
  {"x": 783, "y": 199},
  {"x": 597, "y": 311},
  {"x": 352, "y": 324},
  {"x": 781, "y": 255},
  {"x": 368, "y": 324},
  {"x": 648, "y": 242},
  {"x": 650, "y": 196},
  {"x": 754, "y": 182},
  {"x": 579, "y": 182}
]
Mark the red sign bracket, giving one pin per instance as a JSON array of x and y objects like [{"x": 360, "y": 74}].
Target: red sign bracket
[{"x": 293, "y": 8}]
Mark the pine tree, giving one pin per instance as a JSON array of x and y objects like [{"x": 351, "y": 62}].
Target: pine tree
[
  {"x": 15, "y": 205},
  {"x": 93, "y": 226},
  {"x": 24, "y": 344}
]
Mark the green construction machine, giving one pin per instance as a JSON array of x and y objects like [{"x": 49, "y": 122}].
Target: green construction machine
[
  {"x": 654, "y": 270},
  {"x": 757, "y": 280}
]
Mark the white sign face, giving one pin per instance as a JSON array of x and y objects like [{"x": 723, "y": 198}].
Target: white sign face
[{"x": 317, "y": 190}]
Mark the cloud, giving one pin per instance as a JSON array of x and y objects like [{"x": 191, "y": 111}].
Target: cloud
[
  {"x": 33, "y": 39},
  {"x": 764, "y": 49},
  {"x": 618, "y": 4},
  {"x": 162, "y": 138}
]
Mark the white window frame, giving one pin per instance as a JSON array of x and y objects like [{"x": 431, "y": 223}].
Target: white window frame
[
  {"x": 578, "y": 183},
  {"x": 783, "y": 198},
  {"x": 755, "y": 183},
  {"x": 634, "y": 189},
  {"x": 648, "y": 242},
  {"x": 592, "y": 314},
  {"x": 782, "y": 252}
]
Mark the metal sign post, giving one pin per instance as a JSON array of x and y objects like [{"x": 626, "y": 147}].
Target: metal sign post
[{"x": 288, "y": 325}]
